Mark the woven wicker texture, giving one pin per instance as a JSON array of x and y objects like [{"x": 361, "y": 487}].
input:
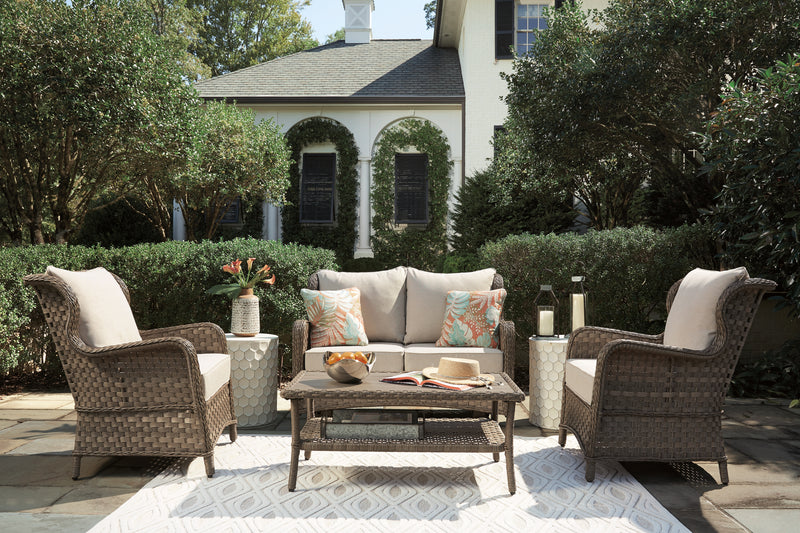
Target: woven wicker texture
[
  {"x": 441, "y": 434},
  {"x": 140, "y": 398},
  {"x": 301, "y": 330},
  {"x": 652, "y": 402}
]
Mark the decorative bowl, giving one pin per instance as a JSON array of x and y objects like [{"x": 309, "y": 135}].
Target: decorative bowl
[{"x": 348, "y": 370}]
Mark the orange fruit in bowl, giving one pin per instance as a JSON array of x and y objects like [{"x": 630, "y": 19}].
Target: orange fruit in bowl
[
  {"x": 359, "y": 356},
  {"x": 335, "y": 357}
]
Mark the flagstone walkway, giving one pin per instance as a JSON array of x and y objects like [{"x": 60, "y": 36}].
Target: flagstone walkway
[{"x": 37, "y": 493}]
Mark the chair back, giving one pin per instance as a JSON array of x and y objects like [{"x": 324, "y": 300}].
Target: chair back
[
  {"x": 62, "y": 313},
  {"x": 735, "y": 312}
]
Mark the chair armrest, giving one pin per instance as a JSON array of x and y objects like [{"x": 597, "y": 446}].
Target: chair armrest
[
  {"x": 586, "y": 342},
  {"x": 161, "y": 372},
  {"x": 642, "y": 377},
  {"x": 300, "y": 340},
  {"x": 206, "y": 337},
  {"x": 507, "y": 333}
]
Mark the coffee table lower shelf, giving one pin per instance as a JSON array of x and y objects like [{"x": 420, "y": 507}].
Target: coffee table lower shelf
[{"x": 448, "y": 435}]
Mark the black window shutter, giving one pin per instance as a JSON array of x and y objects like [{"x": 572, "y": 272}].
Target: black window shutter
[
  {"x": 317, "y": 188},
  {"x": 503, "y": 28},
  {"x": 411, "y": 189}
]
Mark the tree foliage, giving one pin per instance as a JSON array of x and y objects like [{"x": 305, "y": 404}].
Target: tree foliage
[
  {"x": 89, "y": 100},
  {"x": 753, "y": 145},
  {"x": 338, "y": 35},
  {"x": 478, "y": 218},
  {"x": 241, "y": 33},
  {"x": 608, "y": 101},
  {"x": 430, "y": 14},
  {"x": 231, "y": 156}
]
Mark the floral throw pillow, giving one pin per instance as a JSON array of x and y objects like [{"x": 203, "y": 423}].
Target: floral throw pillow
[
  {"x": 471, "y": 318},
  {"x": 336, "y": 317}
]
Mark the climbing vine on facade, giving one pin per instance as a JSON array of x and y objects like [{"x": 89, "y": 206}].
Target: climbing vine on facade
[
  {"x": 417, "y": 245},
  {"x": 341, "y": 235}
]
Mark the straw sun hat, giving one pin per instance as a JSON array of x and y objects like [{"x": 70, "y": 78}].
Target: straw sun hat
[{"x": 459, "y": 372}]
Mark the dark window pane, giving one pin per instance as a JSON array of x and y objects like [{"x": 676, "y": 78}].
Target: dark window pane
[
  {"x": 317, "y": 188},
  {"x": 411, "y": 188},
  {"x": 504, "y": 28},
  {"x": 233, "y": 214}
]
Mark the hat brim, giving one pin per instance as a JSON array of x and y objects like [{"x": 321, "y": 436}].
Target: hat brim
[{"x": 432, "y": 372}]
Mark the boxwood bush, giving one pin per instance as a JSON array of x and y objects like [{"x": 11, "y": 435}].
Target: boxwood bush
[
  {"x": 167, "y": 282},
  {"x": 628, "y": 273}
]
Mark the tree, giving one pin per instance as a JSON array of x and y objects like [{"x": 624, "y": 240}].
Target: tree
[
  {"x": 610, "y": 106},
  {"x": 231, "y": 157},
  {"x": 753, "y": 145},
  {"x": 241, "y": 33},
  {"x": 338, "y": 35},
  {"x": 89, "y": 100},
  {"x": 478, "y": 219},
  {"x": 179, "y": 27},
  {"x": 430, "y": 14}
]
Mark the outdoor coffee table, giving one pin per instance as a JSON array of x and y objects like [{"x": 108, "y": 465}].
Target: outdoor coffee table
[{"x": 457, "y": 435}]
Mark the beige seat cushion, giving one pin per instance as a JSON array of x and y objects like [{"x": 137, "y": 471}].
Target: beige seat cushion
[
  {"x": 383, "y": 299},
  {"x": 425, "y": 299},
  {"x": 424, "y": 355},
  {"x": 579, "y": 377},
  {"x": 692, "y": 322},
  {"x": 105, "y": 316},
  {"x": 215, "y": 370},
  {"x": 388, "y": 356}
]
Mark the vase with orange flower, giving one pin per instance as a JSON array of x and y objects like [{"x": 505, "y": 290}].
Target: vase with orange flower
[{"x": 245, "y": 319}]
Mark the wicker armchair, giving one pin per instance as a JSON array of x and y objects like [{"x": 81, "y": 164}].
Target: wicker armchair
[
  {"x": 651, "y": 402},
  {"x": 141, "y": 398}
]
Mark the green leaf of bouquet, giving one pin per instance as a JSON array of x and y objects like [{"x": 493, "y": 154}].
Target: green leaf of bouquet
[{"x": 231, "y": 291}]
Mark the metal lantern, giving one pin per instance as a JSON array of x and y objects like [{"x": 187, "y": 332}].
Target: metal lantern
[
  {"x": 578, "y": 303},
  {"x": 545, "y": 308}
]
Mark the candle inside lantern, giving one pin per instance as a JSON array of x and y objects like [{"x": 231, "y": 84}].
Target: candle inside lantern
[
  {"x": 546, "y": 323},
  {"x": 578, "y": 311}
]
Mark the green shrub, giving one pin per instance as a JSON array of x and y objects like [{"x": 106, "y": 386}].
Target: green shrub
[
  {"x": 119, "y": 223},
  {"x": 167, "y": 282},
  {"x": 776, "y": 374},
  {"x": 628, "y": 273},
  {"x": 479, "y": 217},
  {"x": 754, "y": 143}
]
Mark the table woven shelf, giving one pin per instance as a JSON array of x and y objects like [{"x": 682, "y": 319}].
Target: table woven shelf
[{"x": 441, "y": 435}]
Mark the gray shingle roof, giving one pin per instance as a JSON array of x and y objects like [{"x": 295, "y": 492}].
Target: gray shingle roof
[{"x": 381, "y": 68}]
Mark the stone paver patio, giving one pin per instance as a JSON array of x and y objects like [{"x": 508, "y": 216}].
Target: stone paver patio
[{"x": 38, "y": 494}]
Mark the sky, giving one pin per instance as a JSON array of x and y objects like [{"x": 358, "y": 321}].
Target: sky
[{"x": 392, "y": 19}]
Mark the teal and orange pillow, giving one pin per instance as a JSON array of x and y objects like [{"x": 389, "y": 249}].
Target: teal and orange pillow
[
  {"x": 471, "y": 318},
  {"x": 336, "y": 317}
]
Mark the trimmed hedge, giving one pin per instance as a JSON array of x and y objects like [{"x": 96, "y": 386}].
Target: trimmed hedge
[
  {"x": 628, "y": 273},
  {"x": 167, "y": 282}
]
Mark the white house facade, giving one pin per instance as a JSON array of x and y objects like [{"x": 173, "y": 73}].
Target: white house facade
[{"x": 370, "y": 85}]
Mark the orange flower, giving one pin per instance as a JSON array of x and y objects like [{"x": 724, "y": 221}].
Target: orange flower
[
  {"x": 228, "y": 269},
  {"x": 270, "y": 281},
  {"x": 250, "y": 263},
  {"x": 264, "y": 269}
]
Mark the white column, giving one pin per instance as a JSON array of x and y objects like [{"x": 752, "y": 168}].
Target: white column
[
  {"x": 271, "y": 227},
  {"x": 364, "y": 212},
  {"x": 178, "y": 223}
]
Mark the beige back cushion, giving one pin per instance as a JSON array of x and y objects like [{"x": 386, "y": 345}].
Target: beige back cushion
[
  {"x": 383, "y": 299},
  {"x": 692, "y": 321},
  {"x": 105, "y": 316},
  {"x": 426, "y": 295}
]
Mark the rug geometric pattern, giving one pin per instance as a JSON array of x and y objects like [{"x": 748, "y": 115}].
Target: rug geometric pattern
[{"x": 392, "y": 492}]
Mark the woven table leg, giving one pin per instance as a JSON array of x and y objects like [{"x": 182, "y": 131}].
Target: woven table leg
[
  {"x": 509, "y": 431},
  {"x": 76, "y": 466}
]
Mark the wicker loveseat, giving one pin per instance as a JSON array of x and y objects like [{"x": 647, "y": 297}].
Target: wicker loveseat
[
  {"x": 162, "y": 392},
  {"x": 403, "y": 311},
  {"x": 633, "y": 397}
]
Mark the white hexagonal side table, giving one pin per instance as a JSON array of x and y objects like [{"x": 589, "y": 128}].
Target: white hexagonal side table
[
  {"x": 547, "y": 357},
  {"x": 254, "y": 378}
]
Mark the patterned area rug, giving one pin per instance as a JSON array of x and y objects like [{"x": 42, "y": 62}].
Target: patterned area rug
[{"x": 392, "y": 492}]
